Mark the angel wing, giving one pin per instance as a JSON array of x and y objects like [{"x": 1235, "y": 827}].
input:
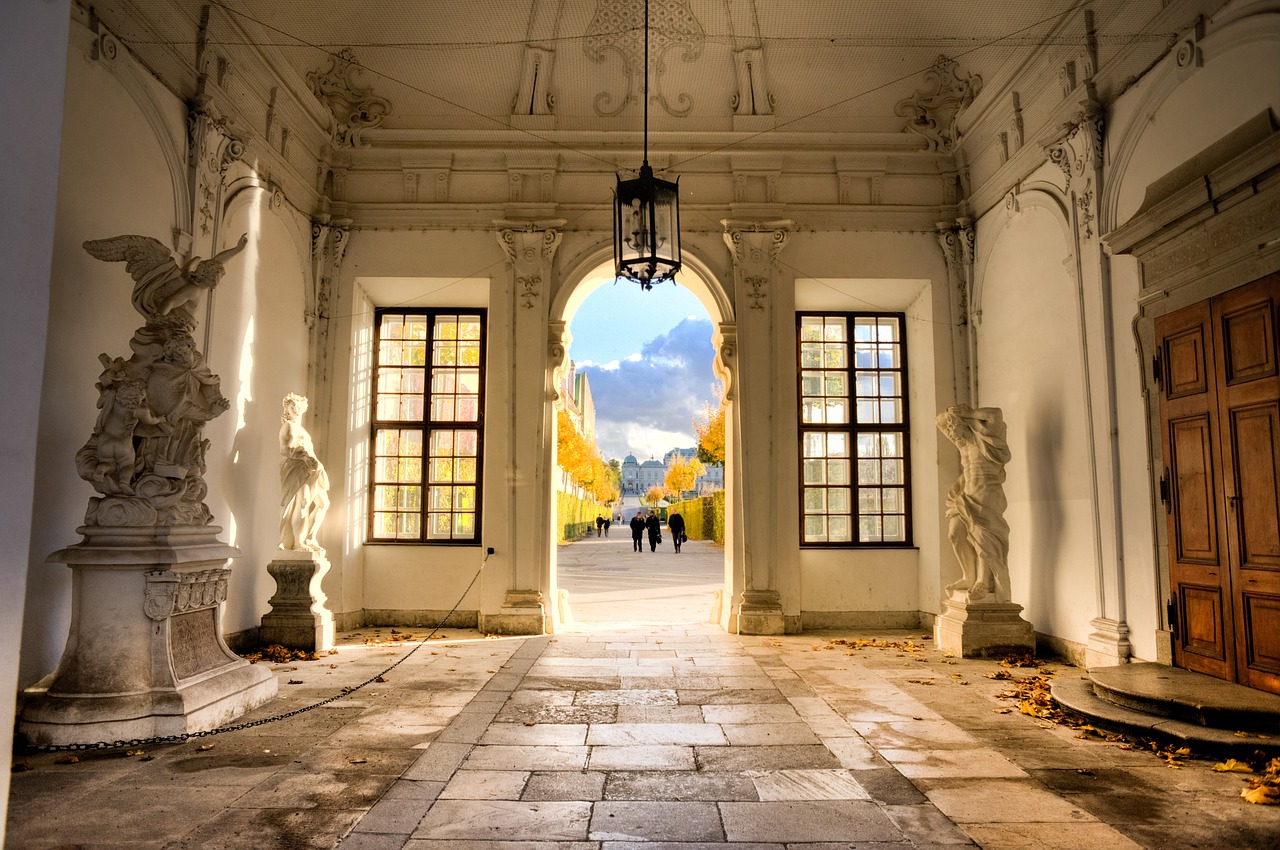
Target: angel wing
[{"x": 154, "y": 270}]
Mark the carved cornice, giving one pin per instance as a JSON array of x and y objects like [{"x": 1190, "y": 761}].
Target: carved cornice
[
  {"x": 211, "y": 150},
  {"x": 933, "y": 112},
  {"x": 353, "y": 105},
  {"x": 1079, "y": 150},
  {"x": 530, "y": 248},
  {"x": 957, "y": 242}
]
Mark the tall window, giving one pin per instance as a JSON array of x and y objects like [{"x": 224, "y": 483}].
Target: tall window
[
  {"x": 853, "y": 430},
  {"x": 427, "y": 426}
]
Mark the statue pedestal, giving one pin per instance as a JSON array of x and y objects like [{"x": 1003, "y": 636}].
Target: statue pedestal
[
  {"x": 983, "y": 630},
  {"x": 298, "y": 618},
  {"x": 145, "y": 655}
]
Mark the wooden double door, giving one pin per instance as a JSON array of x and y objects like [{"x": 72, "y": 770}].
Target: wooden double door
[{"x": 1220, "y": 425}]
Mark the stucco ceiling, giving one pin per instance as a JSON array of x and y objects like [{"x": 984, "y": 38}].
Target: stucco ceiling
[{"x": 828, "y": 65}]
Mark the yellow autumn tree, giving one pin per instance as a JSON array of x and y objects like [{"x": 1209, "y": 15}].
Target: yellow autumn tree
[
  {"x": 708, "y": 424},
  {"x": 654, "y": 495},
  {"x": 682, "y": 475}
]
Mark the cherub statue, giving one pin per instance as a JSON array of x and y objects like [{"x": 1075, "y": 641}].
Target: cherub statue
[
  {"x": 976, "y": 502},
  {"x": 161, "y": 287},
  {"x": 124, "y": 405},
  {"x": 304, "y": 484}
]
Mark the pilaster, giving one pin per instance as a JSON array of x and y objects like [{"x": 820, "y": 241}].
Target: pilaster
[
  {"x": 1079, "y": 153},
  {"x": 756, "y": 606},
  {"x": 530, "y": 248},
  {"x": 956, "y": 240}
]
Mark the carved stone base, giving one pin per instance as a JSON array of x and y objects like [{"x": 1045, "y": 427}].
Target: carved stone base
[
  {"x": 983, "y": 629},
  {"x": 522, "y": 613},
  {"x": 760, "y": 613},
  {"x": 298, "y": 618},
  {"x": 145, "y": 654},
  {"x": 1108, "y": 643}
]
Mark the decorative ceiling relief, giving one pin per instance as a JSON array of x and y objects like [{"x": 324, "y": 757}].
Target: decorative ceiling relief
[
  {"x": 618, "y": 27},
  {"x": 933, "y": 112},
  {"x": 354, "y": 106}
]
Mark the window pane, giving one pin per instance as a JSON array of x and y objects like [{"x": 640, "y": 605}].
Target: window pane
[
  {"x": 840, "y": 529},
  {"x": 810, "y": 330},
  {"x": 868, "y": 472},
  {"x": 811, "y": 384},
  {"x": 811, "y": 411},
  {"x": 868, "y": 500},
  {"x": 835, "y": 330},
  {"x": 893, "y": 501},
  {"x": 895, "y": 530},
  {"x": 837, "y": 384},
  {"x": 838, "y": 500},
  {"x": 815, "y": 500},
  {"x": 892, "y": 472},
  {"x": 837, "y": 411},
  {"x": 869, "y": 529},
  {"x": 442, "y": 469},
  {"x": 467, "y": 443},
  {"x": 838, "y": 471},
  {"x": 813, "y": 472},
  {"x": 815, "y": 529},
  {"x": 835, "y": 356},
  {"x": 810, "y": 356},
  {"x": 837, "y": 444}
]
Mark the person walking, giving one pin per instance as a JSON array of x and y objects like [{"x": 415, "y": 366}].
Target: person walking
[
  {"x": 637, "y": 531},
  {"x": 599, "y": 525},
  {"x": 675, "y": 523},
  {"x": 608, "y": 521},
  {"x": 654, "y": 525}
]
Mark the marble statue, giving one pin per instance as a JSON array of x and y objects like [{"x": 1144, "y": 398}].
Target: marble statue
[
  {"x": 976, "y": 503},
  {"x": 146, "y": 454},
  {"x": 304, "y": 484}
]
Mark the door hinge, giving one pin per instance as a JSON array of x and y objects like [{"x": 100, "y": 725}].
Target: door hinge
[
  {"x": 1164, "y": 491},
  {"x": 1157, "y": 371},
  {"x": 1171, "y": 611}
]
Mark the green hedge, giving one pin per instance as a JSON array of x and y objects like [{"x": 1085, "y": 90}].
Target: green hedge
[
  {"x": 576, "y": 518},
  {"x": 703, "y": 517}
]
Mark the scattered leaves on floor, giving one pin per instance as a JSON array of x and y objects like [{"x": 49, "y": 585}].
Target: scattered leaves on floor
[
  {"x": 872, "y": 643},
  {"x": 1264, "y": 790},
  {"x": 1022, "y": 660},
  {"x": 204, "y": 748},
  {"x": 68, "y": 760},
  {"x": 277, "y": 654}
]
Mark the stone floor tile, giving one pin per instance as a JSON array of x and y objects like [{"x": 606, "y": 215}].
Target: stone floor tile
[
  {"x": 558, "y": 714},
  {"x": 506, "y": 820},
  {"x": 254, "y": 829},
  {"x": 769, "y": 734},
  {"x": 679, "y": 785},
  {"x": 372, "y": 841},
  {"x": 1046, "y": 836},
  {"x": 394, "y": 816},
  {"x": 888, "y": 787},
  {"x": 526, "y": 758},
  {"x": 565, "y": 785},
  {"x": 722, "y": 696},
  {"x": 924, "y": 824},
  {"x": 926, "y": 734},
  {"x": 750, "y": 683},
  {"x": 776, "y": 785},
  {"x": 1000, "y": 801},
  {"x": 540, "y": 734},
  {"x": 485, "y": 785},
  {"x": 658, "y": 696},
  {"x": 637, "y": 757},
  {"x": 438, "y": 762},
  {"x": 655, "y": 821},
  {"x": 659, "y": 714},
  {"x": 455, "y": 844},
  {"x": 346, "y": 790},
  {"x": 410, "y": 789},
  {"x": 534, "y": 697},
  {"x": 816, "y": 820},
  {"x": 747, "y": 713},
  {"x": 655, "y": 734},
  {"x": 855, "y": 753},
  {"x": 966, "y": 763},
  {"x": 765, "y": 758}
]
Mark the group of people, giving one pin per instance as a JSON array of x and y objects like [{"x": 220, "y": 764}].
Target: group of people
[
  {"x": 602, "y": 524},
  {"x": 652, "y": 526}
]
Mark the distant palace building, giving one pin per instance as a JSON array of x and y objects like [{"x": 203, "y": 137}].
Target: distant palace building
[{"x": 638, "y": 477}]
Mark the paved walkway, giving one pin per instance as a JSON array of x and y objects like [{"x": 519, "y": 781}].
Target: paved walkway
[{"x": 622, "y": 737}]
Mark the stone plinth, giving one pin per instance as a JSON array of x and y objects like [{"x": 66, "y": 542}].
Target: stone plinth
[
  {"x": 298, "y": 618},
  {"x": 522, "y": 613},
  {"x": 145, "y": 655},
  {"x": 761, "y": 613},
  {"x": 983, "y": 629}
]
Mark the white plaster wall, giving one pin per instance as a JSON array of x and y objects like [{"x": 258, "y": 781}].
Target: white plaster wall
[
  {"x": 1153, "y": 128},
  {"x": 33, "y": 46},
  {"x": 415, "y": 269},
  {"x": 1030, "y": 365},
  {"x": 111, "y": 181},
  {"x": 258, "y": 346}
]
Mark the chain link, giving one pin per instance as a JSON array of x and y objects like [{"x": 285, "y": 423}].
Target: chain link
[{"x": 183, "y": 737}]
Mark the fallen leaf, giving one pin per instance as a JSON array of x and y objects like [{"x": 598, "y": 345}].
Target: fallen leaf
[
  {"x": 1263, "y": 795},
  {"x": 1233, "y": 766},
  {"x": 358, "y": 760},
  {"x": 68, "y": 760},
  {"x": 135, "y": 752},
  {"x": 294, "y": 682}
]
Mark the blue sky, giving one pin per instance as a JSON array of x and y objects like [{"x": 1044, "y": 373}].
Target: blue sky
[{"x": 648, "y": 359}]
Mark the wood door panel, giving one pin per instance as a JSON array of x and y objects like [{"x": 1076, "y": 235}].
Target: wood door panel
[
  {"x": 1195, "y": 522},
  {"x": 1202, "y": 621},
  {"x": 1186, "y": 370},
  {"x": 1255, "y": 438},
  {"x": 1262, "y": 618},
  {"x": 1249, "y": 343}
]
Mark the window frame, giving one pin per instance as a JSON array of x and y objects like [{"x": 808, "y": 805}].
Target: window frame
[
  {"x": 854, "y": 428},
  {"x": 427, "y": 425}
]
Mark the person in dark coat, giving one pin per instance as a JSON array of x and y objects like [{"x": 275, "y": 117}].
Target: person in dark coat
[
  {"x": 655, "y": 530},
  {"x": 675, "y": 522},
  {"x": 637, "y": 531},
  {"x": 599, "y": 525}
]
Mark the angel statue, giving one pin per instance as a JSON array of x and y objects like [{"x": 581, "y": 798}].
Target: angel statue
[
  {"x": 162, "y": 287},
  {"x": 304, "y": 484},
  {"x": 146, "y": 456}
]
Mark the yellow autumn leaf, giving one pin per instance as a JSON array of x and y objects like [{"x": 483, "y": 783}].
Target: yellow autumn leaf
[
  {"x": 1232, "y": 766},
  {"x": 1263, "y": 795}
]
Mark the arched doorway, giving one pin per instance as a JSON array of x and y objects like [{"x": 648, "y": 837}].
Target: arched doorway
[{"x": 594, "y": 270}]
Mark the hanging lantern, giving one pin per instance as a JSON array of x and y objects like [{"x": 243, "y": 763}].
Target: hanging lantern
[
  {"x": 646, "y": 229},
  {"x": 646, "y": 213}
]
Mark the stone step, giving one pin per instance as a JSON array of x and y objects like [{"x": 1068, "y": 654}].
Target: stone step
[
  {"x": 1188, "y": 696},
  {"x": 1078, "y": 695}
]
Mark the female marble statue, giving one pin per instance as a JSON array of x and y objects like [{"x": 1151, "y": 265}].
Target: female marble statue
[
  {"x": 304, "y": 483},
  {"x": 976, "y": 502}
]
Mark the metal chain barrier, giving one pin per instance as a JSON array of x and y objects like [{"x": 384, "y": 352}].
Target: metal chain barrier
[{"x": 205, "y": 733}]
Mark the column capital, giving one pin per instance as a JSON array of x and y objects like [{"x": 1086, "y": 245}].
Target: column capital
[{"x": 530, "y": 247}]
